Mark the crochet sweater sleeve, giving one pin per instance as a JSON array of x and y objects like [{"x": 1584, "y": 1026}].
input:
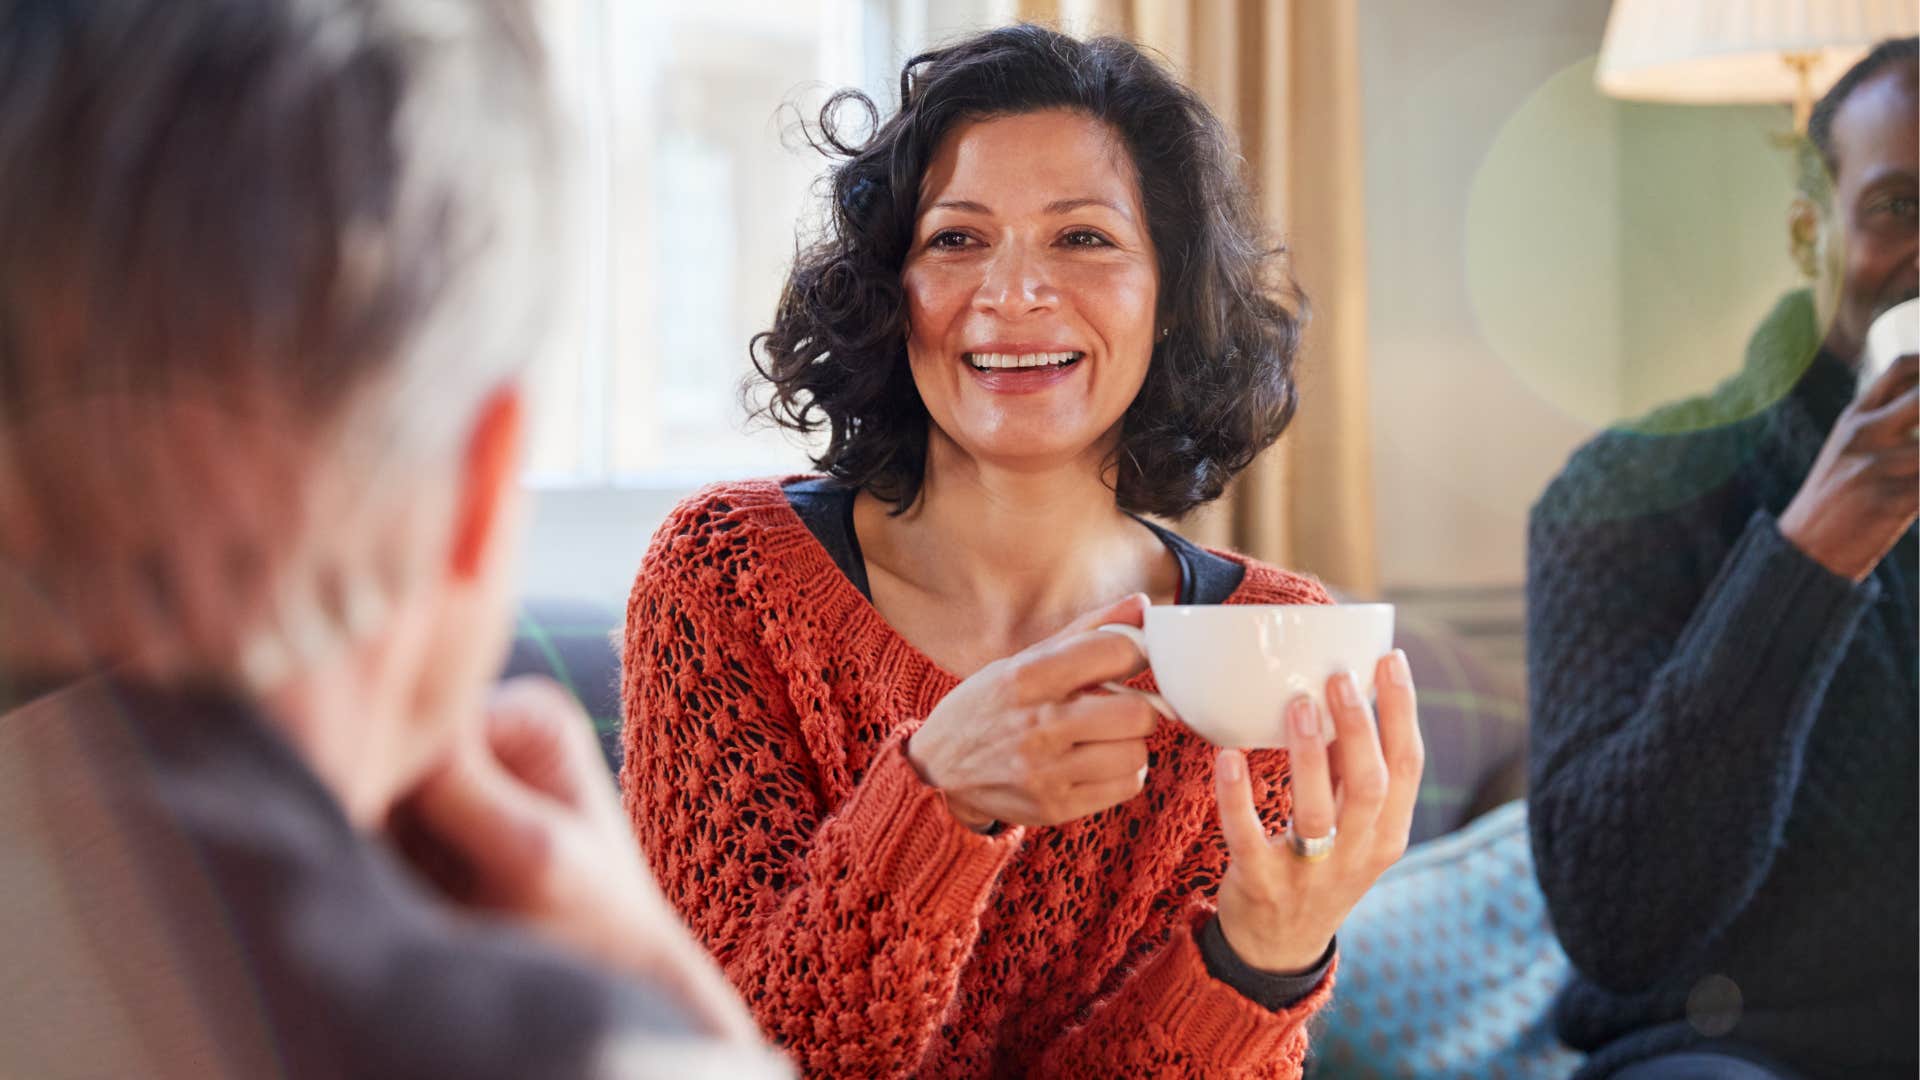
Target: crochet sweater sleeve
[
  {"x": 1171, "y": 1018},
  {"x": 1676, "y": 671},
  {"x": 845, "y": 931}
]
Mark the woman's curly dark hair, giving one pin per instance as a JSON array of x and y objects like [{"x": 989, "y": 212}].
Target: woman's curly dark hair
[{"x": 1219, "y": 388}]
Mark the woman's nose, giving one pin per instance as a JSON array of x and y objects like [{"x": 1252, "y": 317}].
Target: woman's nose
[{"x": 1016, "y": 283}]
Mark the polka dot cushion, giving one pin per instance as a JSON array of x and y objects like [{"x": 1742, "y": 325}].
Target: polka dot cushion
[{"x": 1449, "y": 967}]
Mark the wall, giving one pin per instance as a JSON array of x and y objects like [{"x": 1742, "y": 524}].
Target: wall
[
  {"x": 1542, "y": 261},
  {"x": 1704, "y": 195}
]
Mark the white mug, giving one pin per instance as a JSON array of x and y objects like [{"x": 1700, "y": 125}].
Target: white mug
[
  {"x": 1228, "y": 670},
  {"x": 1893, "y": 335}
]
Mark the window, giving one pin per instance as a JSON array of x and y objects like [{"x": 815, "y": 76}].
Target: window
[
  {"x": 694, "y": 179},
  {"x": 693, "y": 184}
]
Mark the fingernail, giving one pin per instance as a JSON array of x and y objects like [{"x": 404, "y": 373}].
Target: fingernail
[
  {"x": 1346, "y": 690},
  {"x": 1398, "y": 672},
  {"x": 1305, "y": 718},
  {"x": 1232, "y": 766}
]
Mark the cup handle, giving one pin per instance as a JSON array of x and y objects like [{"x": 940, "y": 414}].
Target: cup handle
[{"x": 1139, "y": 639}]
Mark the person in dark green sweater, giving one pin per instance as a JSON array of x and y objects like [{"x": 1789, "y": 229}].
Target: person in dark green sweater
[{"x": 1721, "y": 634}]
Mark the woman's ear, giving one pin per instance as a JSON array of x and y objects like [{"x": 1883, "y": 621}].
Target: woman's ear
[
  {"x": 1803, "y": 236},
  {"x": 488, "y": 473}
]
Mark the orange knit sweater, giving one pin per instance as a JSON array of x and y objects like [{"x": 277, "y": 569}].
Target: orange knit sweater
[{"x": 767, "y": 706}]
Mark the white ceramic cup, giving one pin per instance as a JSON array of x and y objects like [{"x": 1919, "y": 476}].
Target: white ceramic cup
[
  {"x": 1893, "y": 335},
  {"x": 1228, "y": 670}
]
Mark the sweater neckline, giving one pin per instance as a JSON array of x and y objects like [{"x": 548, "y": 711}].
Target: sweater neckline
[
  {"x": 867, "y": 623},
  {"x": 1826, "y": 389}
]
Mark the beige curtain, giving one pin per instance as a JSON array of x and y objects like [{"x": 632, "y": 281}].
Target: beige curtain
[{"x": 1284, "y": 75}]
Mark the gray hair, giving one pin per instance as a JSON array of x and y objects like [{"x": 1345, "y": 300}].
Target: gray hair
[{"x": 314, "y": 231}]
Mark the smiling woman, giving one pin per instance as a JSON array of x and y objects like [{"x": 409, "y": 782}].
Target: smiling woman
[
  {"x": 1140, "y": 179},
  {"x": 926, "y": 841}
]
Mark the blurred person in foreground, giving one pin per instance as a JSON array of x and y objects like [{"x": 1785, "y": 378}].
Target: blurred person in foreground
[
  {"x": 269, "y": 272},
  {"x": 928, "y": 843},
  {"x": 1721, "y": 605}
]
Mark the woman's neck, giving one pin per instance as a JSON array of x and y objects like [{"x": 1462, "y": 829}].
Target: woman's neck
[{"x": 990, "y": 559}]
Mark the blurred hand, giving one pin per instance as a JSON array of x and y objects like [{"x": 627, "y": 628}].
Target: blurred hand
[
  {"x": 1023, "y": 741},
  {"x": 1864, "y": 489},
  {"x": 1278, "y": 910},
  {"x": 522, "y": 819}
]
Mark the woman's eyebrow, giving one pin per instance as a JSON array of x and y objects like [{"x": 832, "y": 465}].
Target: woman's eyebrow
[
  {"x": 1058, "y": 206},
  {"x": 1067, "y": 206}
]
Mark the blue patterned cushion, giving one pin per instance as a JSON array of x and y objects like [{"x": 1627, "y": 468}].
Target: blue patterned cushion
[{"x": 1449, "y": 967}]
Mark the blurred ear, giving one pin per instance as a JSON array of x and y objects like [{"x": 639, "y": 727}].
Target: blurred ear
[
  {"x": 1803, "y": 235},
  {"x": 487, "y": 478}
]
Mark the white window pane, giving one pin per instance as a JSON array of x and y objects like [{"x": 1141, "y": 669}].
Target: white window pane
[
  {"x": 568, "y": 430},
  {"x": 703, "y": 210},
  {"x": 693, "y": 184}
]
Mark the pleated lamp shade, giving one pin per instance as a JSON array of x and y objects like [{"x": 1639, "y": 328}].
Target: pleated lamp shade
[{"x": 1724, "y": 52}]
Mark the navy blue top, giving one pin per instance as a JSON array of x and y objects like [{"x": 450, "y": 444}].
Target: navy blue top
[{"x": 826, "y": 506}]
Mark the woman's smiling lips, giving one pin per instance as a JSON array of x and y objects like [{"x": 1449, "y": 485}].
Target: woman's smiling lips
[{"x": 1019, "y": 367}]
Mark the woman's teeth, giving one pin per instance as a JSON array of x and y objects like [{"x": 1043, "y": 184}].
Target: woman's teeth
[{"x": 986, "y": 361}]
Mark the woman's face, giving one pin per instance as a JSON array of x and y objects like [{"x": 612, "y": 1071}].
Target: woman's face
[{"x": 1031, "y": 289}]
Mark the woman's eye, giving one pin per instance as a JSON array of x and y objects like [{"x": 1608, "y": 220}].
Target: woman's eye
[
  {"x": 1086, "y": 238},
  {"x": 1903, "y": 207},
  {"x": 948, "y": 238}
]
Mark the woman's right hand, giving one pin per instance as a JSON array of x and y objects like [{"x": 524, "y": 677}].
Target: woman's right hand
[{"x": 1030, "y": 740}]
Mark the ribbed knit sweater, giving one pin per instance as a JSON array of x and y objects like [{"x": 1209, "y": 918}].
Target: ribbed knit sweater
[
  {"x": 1723, "y": 756},
  {"x": 768, "y": 704}
]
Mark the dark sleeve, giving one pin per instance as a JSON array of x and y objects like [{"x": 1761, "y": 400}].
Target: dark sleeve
[
  {"x": 359, "y": 966},
  {"x": 1270, "y": 991},
  {"x": 1670, "y": 721},
  {"x": 497, "y": 1007}
]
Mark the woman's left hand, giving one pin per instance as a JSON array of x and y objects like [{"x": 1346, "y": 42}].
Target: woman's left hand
[{"x": 1278, "y": 909}]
